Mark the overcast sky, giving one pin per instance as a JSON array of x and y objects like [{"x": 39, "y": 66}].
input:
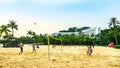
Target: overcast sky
[{"x": 54, "y": 15}]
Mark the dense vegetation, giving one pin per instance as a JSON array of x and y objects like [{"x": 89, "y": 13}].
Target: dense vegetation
[{"x": 106, "y": 36}]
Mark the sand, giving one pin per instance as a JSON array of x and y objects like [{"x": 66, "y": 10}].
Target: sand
[{"x": 71, "y": 57}]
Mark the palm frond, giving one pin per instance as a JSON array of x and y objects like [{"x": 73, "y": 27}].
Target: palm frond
[{"x": 110, "y": 24}]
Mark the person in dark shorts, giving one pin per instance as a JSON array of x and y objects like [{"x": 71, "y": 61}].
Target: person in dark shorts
[{"x": 21, "y": 48}]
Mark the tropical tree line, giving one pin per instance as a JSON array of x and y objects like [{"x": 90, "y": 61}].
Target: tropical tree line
[
  {"x": 112, "y": 34},
  {"x": 72, "y": 39}
]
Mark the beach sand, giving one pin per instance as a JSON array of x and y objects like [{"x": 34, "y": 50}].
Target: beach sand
[{"x": 71, "y": 57}]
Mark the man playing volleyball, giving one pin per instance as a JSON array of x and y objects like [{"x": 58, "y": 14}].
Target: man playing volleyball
[
  {"x": 21, "y": 48},
  {"x": 33, "y": 46},
  {"x": 89, "y": 50}
]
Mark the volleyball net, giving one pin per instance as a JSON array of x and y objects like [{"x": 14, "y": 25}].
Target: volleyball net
[{"x": 54, "y": 41}]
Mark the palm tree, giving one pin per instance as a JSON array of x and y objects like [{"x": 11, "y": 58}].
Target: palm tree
[
  {"x": 4, "y": 29},
  {"x": 13, "y": 26},
  {"x": 113, "y": 22},
  {"x": 31, "y": 33}
]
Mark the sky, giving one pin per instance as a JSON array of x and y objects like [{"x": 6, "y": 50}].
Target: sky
[{"x": 54, "y": 15}]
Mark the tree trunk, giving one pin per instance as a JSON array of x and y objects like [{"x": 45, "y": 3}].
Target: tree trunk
[
  {"x": 116, "y": 39},
  {"x": 115, "y": 35},
  {"x": 12, "y": 32}
]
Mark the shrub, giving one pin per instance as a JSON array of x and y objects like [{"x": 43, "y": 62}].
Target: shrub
[{"x": 117, "y": 46}]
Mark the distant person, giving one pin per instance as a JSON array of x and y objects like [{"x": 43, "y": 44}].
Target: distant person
[
  {"x": 33, "y": 46},
  {"x": 89, "y": 50},
  {"x": 111, "y": 44},
  {"x": 21, "y": 48}
]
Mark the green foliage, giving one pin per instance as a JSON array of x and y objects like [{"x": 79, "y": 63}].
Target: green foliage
[
  {"x": 4, "y": 29},
  {"x": 103, "y": 38},
  {"x": 113, "y": 22},
  {"x": 117, "y": 46},
  {"x": 108, "y": 35},
  {"x": 33, "y": 39}
]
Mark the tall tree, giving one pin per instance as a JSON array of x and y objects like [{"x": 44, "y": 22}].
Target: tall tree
[
  {"x": 12, "y": 25},
  {"x": 113, "y": 22},
  {"x": 0, "y": 33},
  {"x": 31, "y": 33},
  {"x": 4, "y": 29}
]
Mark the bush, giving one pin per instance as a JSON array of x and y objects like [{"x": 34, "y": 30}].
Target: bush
[{"x": 117, "y": 46}]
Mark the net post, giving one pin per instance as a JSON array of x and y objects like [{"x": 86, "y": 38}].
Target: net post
[
  {"x": 48, "y": 47},
  {"x": 61, "y": 45}
]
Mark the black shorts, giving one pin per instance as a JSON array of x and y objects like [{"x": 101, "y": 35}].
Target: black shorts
[{"x": 21, "y": 49}]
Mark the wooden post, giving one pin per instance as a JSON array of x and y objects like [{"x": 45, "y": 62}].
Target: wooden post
[{"x": 61, "y": 46}]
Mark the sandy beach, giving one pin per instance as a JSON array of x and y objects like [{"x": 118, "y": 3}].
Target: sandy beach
[{"x": 71, "y": 57}]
